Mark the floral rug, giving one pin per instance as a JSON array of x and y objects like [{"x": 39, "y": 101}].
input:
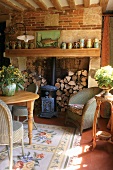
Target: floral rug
[{"x": 47, "y": 152}]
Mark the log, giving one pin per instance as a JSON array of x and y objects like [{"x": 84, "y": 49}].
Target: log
[
  {"x": 70, "y": 91},
  {"x": 83, "y": 78},
  {"x": 61, "y": 81},
  {"x": 72, "y": 83},
  {"x": 68, "y": 78},
  {"x": 74, "y": 77},
  {"x": 76, "y": 88},
  {"x": 62, "y": 86},
  {"x": 67, "y": 86},
  {"x": 58, "y": 92},
  {"x": 84, "y": 73},
  {"x": 84, "y": 83},
  {"x": 79, "y": 73},
  {"x": 57, "y": 85},
  {"x": 70, "y": 73},
  {"x": 58, "y": 98},
  {"x": 43, "y": 80},
  {"x": 65, "y": 80},
  {"x": 67, "y": 93},
  {"x": 58, "y": 80}
]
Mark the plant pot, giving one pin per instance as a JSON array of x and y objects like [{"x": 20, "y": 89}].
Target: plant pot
[
  {"x": 9, "y": 90},
  {"x": 106, "y": 91}
]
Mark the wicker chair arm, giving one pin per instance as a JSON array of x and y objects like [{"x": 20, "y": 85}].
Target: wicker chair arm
[{"x": 76, "y": 98}]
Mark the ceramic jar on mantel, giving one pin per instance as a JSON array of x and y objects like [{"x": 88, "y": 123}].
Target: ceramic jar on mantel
[
  {"x": 96, "y": 43},
  {"x": 63, "y": 45},
  {"x": 82, "y": 43},
  {"x": 89, "y": 43}
]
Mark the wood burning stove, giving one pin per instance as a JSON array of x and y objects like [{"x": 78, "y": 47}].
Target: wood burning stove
[
  {"x": 48, "y": 100},
  {"x": 48, "y": 95}
]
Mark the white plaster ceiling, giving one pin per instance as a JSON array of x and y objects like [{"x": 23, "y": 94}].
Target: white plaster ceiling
[{"x": 7, "y": 6}]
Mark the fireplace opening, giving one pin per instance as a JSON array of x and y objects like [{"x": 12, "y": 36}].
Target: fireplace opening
[
  {"x": 48, "y": 95},
  {"x": 55, "y": 72}
]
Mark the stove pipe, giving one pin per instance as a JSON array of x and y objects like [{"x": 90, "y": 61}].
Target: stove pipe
[{"x": 53, "y": 78}]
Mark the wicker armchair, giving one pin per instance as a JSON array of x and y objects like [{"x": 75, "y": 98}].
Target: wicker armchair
[
  {"x": 81, "y": 108},
  {"x": 21, "y": 111},
  {"x": 10, "y": 131}
]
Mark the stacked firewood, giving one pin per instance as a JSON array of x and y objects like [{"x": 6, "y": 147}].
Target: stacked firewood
[
  {"x": 72, "y": 83},
  {"x": 33, "y": 77}
]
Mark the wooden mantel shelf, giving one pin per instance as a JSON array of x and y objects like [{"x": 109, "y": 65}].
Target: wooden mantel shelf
[{"x": 53, "y": 52}]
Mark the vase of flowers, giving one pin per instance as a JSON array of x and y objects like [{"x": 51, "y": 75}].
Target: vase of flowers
[
  {"x": 104, "y": 78},
  {"x": 11, "y": 79},
  {"x": 9, "y": 90}
]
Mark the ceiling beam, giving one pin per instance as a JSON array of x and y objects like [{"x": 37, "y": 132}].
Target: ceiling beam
[
  {"x": 86, "y": 3},
  {"x": 4, "y": 10},
  {"x": 41, "y": 4},
  {"x": 14, "y": 6},
  {"x": 72, "y": 4},
  {"x": 26, "y": 4},
  {"x": 56, "y": 4},
  {"x": 103, "y": 4}
]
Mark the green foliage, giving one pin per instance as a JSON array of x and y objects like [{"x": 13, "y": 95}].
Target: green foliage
[
  {"x": 9, "y": 75},
  {"x": 104, "y": 76}
]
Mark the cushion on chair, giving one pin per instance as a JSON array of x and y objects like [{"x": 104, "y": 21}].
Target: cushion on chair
[{"x": 76, "y": 108}]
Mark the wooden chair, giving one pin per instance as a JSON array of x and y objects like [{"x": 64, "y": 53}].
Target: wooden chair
[
  {"x": 10, "y": 131},
  {"x": 21, "y": 111}
]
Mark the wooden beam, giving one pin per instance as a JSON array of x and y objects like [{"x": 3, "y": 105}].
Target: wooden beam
[
  {"x": 26, "y": 4},
  {"x": 72, "y": 4},
  {"x": 41, "y": 4},
  {"x": 103, "y": 4},
  {"x": 4, "y": 10},
  {"x": 86, "y": 3},
  {"x": 56, "y": 4},
  {"x": 53, "y": 52},
  {"x": 4, "y": 18},
  {"x": 14, "y": 6}
]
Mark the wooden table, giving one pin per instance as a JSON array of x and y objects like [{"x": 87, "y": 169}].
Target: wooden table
[
  {"x": 99, "y": 99},
  {"x": 22, "y": 97}
]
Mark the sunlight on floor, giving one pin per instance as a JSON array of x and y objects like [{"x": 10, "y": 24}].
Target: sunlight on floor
[{"x": 75, "y": 162}]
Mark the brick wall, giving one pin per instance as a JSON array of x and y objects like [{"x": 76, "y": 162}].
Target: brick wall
[
  {"x": 83, "y": 23},
  {"x": 82, "y": 19}
]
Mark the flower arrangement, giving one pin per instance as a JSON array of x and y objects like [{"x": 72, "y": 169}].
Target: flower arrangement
[
  {"x": 104, "y": 77},
  {"x": 9, "y": 75}
]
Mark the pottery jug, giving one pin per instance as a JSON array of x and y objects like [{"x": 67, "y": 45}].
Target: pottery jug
[
  {"x": 89, "y": 43},
  {"x": 63, "y": 45},
  {"x": 96, "y": 43},
  {"x": 82, "y": 43}
]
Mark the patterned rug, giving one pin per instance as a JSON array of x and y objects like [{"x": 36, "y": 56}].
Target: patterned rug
[{"x": 48, "y": 151}]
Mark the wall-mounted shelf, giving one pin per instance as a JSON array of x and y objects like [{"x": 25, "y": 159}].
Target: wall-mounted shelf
[{"x": 53, "y": 52}]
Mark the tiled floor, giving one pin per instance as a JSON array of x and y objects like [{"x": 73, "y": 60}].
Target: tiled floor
[{"x": 101, "y": 158}]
